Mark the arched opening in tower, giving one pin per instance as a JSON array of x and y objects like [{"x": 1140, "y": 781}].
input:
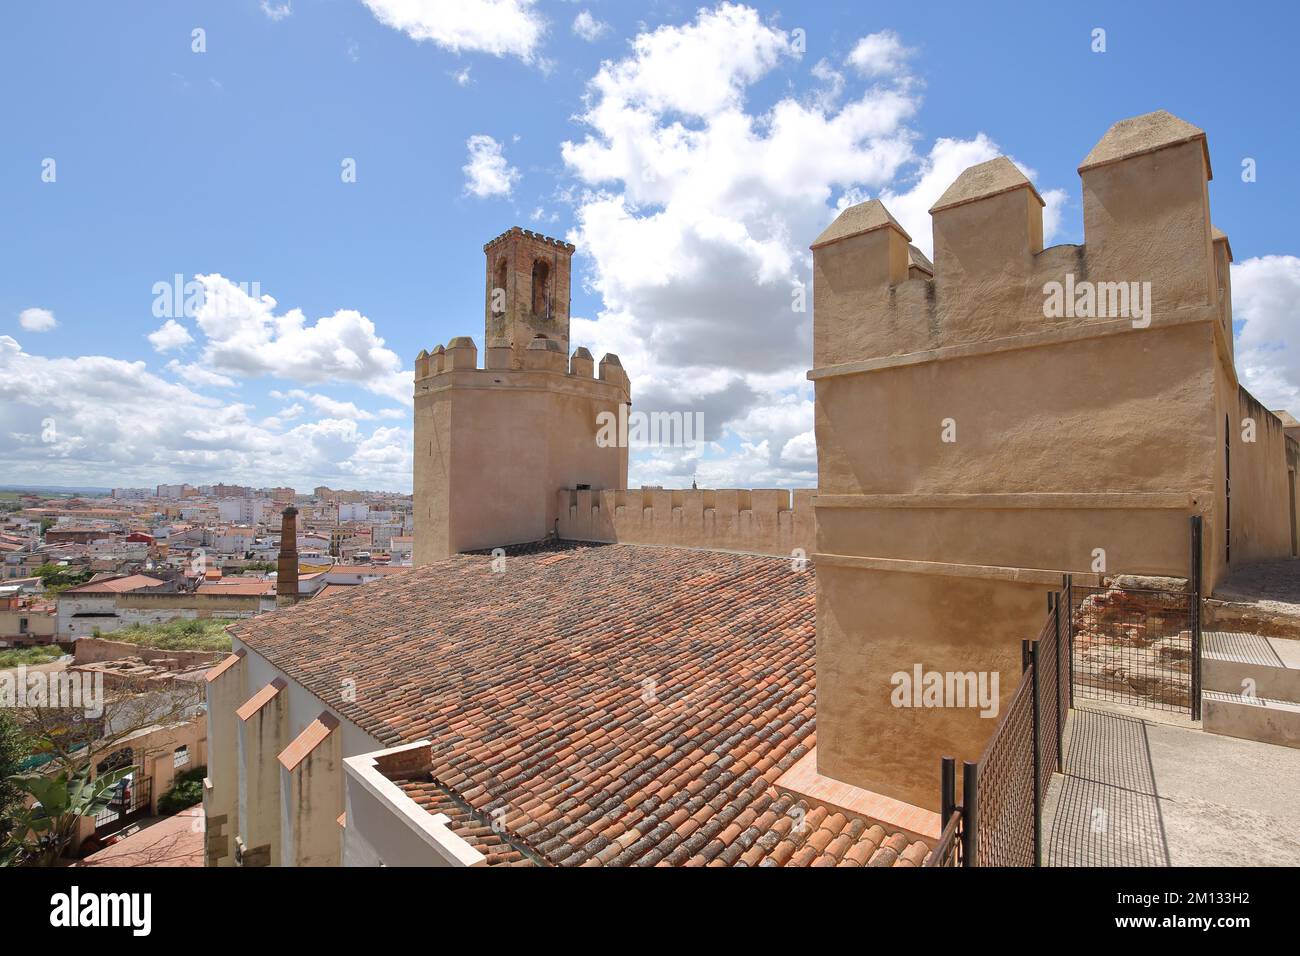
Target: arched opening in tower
[
  {"x": 542, "y": 289},
  {"x": 499, "y": 289}
]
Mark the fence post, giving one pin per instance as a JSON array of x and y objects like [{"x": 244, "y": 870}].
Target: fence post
[
  {"x": 970, "y": 811},
  {"x": 1069, "y": 636},
  {"x": 1194, "y": 583},
  {"x": 947, "y": 790},
  {"x": 1031, "y": 650},
  {"x": 1056, "y": 673}
]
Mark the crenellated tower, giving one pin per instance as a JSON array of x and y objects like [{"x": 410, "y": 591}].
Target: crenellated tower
[{"x": 492, "y": 444}]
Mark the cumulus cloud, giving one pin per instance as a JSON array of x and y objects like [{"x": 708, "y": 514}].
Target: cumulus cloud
[
  {"x": 37, "y": 320},
  {"x": 1266, "y": 307},
  {"x": 170, "y": 335},
  {"x": 694, "y": 212},
  {"x": 199, "y": 376},
  {"x": 79, "y": 420},
  {"x": 498, "y": 27},
  {"x": 588, "y": 27},
  {"x": 245, "y": 336},
  {"x": 487, "y": 173},
  {"x": 879, "y": 54}
]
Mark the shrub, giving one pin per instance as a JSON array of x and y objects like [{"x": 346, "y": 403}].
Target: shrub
[
  {"x": 182, "y": 634},
  {"x": 186, "y": 791}
]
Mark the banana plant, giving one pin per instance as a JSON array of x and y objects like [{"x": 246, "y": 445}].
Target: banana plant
[{"x": 61, "y": 800}]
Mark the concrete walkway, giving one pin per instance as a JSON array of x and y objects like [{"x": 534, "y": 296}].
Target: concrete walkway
[{"x": 1148, "y": 789}]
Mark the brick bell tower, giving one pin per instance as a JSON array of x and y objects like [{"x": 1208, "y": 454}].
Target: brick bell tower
[
  {"x": 493, "y": 445},
  {"x": 527, "y": 291}
]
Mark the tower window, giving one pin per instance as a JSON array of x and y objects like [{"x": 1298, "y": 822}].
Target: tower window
[
  {"x": 498, "y": 293},
  {"x": 541, "y": 289}
]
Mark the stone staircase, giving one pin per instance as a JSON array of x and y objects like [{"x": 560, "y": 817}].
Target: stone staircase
[{"x": 1250, "y": 685}]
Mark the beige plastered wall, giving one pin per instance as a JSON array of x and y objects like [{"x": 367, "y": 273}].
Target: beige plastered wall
[{"x": 1072, "y": 434}]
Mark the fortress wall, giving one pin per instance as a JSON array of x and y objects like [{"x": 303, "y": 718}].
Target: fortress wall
[{"x": 759, "y": 520}]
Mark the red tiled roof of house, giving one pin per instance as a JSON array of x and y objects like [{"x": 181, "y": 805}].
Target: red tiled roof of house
[
  {"x": 623, "y": 705},
  {"x": 130, "y": 582},
  {"x": 469, "y": 825}
]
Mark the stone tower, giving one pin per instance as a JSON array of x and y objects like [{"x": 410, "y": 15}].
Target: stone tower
[
  {"x": 493, "y": 445},
  {"x": 527, "y": 291}
]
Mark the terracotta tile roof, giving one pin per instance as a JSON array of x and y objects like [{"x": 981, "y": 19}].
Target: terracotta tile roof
[
  {"x": 471, "y": 826},
  {"x": 623, "y": 705},
  {"x": 131, "y": 582}
]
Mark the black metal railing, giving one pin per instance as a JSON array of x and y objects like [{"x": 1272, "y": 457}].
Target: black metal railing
[
  {"x": 999, "y": 819},
  {"x": 1133, "y": 645}
]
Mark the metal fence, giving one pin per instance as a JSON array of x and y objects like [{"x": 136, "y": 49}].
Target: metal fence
[
  {"x": 1132, "y": 645},
  {"x": 1140, "y": 647},
  {"x": 999, "y": 819},
  {"x": 1135, "y": 646}
]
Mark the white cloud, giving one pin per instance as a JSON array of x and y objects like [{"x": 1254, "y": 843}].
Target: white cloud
[
  {"x": 332, "y": 407},
  {"x": 588, "y": 27},
  {"x": 94, "y": 420},
  {"x": 487, "y": 173},
  {"x": 244, "y": 336},
  {"x": 461, "y": 77},
  {"x": 277, "y": 11},
  {"x": 37, "y": 320},
  {"x": 199, "y": 376},
  {"x": 879, "y": 54},
  {"x": 694, "y": 213},
  {"x": 1266, "y": 298},
  {"x": 170, "y": 335},
  {"x": 499, "y": 27}
]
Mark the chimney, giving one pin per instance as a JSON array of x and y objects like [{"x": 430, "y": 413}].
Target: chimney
[{"x": 286, "y": 579}]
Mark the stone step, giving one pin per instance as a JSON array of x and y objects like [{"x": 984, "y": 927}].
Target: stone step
[
  {"x": 1251, "y": 664},
  {"x": 1251, "y": 718}
]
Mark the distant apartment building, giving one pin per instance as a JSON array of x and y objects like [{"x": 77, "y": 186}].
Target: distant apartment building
[
  {"x": 133, "y": 494},
  {"x": 176, "y": 492},
  {"x": 245, "y": 510},
  {"x": 354, "y": 511}
]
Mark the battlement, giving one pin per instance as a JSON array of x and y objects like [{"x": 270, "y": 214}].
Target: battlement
[
  {"x": 759, "y": 520},
  {"x": 1150, "y": 257},
  {"x": 456, "y": 364},
  {"x": 535, "y": 236}
]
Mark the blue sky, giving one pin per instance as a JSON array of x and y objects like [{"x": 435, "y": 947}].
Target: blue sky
[{"x": 691, "y": 153}]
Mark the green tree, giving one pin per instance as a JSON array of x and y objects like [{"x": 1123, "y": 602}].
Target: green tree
[
  {"x": 12, "y": 750},
  {"x": 46, "y": 828}
]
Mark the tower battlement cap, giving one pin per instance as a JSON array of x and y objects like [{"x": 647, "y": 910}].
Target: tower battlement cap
[
  {"x": 535, "y": 236},
  {"x": 1147, "y": 133},
  {"x": 998, "y": 175},
  {"x": 855, "y": 220}
]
